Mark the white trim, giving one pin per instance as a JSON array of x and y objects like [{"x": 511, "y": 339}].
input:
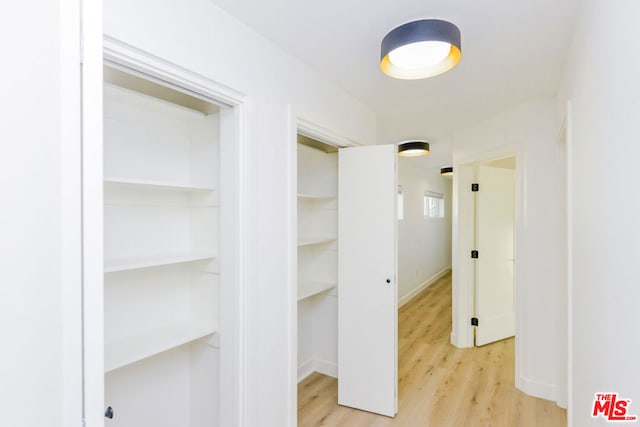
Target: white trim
[
  {"x": 561, "y": 270},
  {"x": 71, "y": 211},
  {"x": 92, "y": 214},
  {"x": 326, "y": 368},
  {"x": 317, "y": 365},
  {"x": 312, "y": 130},
  {"x": 434, "y": 194},
  {"x": 122, "y": 55},
  {"x": 462, "y": 268},
  {"x": 234, "y": 211},
  {"x": 292, "y": 280},
  {"x": 421, "y": 287},
  {"x": 569, "y": 219},
  {"x": 305, "y": 369},
  {"x": 535, "y": 388},
  {"x": 233, "y": 123},
  {"x": 520, "y": 254}
]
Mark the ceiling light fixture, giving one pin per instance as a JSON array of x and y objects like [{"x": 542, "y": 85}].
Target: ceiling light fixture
[
  {"x": 413, "y": 148},
  {"x": 420, "y": 49},
  {"x": 446, "y": 171}
]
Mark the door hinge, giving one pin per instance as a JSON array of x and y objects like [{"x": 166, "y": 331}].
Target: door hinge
[
  {"x": 475, "y": 187},
  {"x": 474, "y": 321},
  {"x": 474, "y": 254}
]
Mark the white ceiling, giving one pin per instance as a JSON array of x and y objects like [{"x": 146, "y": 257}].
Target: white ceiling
[{"x": 512, "y": 51}]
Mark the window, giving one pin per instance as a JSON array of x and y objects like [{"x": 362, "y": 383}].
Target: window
[
  {"x": 400, "y": 203},
  {"x": 433, "y": 205}
]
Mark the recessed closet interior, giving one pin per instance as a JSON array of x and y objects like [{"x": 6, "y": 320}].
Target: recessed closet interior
[
  {"x": 162, "y": 251},
  {"x": 317, "y": 257}
]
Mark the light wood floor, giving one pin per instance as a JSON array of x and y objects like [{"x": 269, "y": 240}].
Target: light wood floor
[{"x": 439, "y": 385}]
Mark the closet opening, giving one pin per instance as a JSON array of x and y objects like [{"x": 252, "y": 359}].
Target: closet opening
[{"x": 170, "y": 292}]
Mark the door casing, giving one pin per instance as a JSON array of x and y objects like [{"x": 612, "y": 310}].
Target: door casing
[{"x": 463, "y": 304}]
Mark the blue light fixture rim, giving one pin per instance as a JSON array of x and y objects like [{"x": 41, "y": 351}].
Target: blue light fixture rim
[
  {"x": 422, "y": 30},
  {"x": 446, "y": 170},
  {"x": 415, "y": 144}
]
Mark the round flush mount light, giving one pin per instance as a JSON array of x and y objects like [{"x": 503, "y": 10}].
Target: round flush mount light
[
  {"x": 420, "y": 49},
  {"x": 446, "y": 171},
  {"x": 413, "y": 148}
]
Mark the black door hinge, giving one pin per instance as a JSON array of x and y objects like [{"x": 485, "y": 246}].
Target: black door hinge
[
  {"x": 475, "y": 187},
  {"x": 474, "y": 321},
  {"x": 474, "y": 254}
]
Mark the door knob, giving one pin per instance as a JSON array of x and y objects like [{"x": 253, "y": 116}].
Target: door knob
[
  {"x": 109, "y": 412},
  {"x": 388, "y": 280}
]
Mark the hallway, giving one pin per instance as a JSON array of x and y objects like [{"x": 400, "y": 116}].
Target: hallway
[{"x": 439, "y": 385}]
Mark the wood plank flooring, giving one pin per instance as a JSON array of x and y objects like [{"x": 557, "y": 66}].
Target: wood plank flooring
[{"x": 439, "y": 385}]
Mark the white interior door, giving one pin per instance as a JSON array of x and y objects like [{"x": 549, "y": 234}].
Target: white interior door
[
  {"x": 367, "y": 303},
  {"x": 495, "y": 216}
]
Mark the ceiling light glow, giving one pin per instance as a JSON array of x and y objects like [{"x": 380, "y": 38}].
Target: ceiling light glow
[{"x": 418, "y": 55}]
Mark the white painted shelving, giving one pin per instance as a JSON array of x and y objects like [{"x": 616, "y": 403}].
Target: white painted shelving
[
  {"x": 161, "y": 254},
  {"x": 317, "y": 260}
]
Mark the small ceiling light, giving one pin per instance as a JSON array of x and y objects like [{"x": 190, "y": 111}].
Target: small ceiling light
[
  {"x": 446, "y": 171},
  {"x": 413, "y": 148},
  {"x": 420, "y": 49}
]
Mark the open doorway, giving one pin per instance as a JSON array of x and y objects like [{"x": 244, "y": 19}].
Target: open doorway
[
  {"x": 480, "y": 185},
  {"x": 345, "y": 206}
]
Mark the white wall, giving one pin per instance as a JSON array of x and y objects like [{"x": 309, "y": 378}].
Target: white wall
[
  {"x": 424, "y": 244},
  {"x": 530, "y": 131},
  {"x": 603, "y": 86},
  {"x": 39, "y": 357},
  {"x": 205, "y": 39}
]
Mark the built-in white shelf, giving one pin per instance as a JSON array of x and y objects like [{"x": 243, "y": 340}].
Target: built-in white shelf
[
  {"x": 161, "y": 241},
  {"x": 307, "y": 241},
  {"x": 124, "y": 264},
  {"x": 138, "y": 347},
  {"x": 153, "y": 184},
  {"x": 311, "y": 288},
  {"x": 315, "y": 197}
]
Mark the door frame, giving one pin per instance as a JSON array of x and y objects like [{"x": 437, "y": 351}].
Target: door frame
[
  {"x": 311, "y": 129},
  {"x": 463, "y": 269},
  {"x": 233, "y": 124},
  {"x": 565, "y": 273}
]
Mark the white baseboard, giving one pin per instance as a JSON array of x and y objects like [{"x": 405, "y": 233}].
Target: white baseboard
[
  {"x": 562, "y": 403},
  {"x": 327, "y": 368},
  {"x": 536, "y": 388},
  {"x": 424, "y": 285},
  {"x": 316, "y": 365},
  {"x": 305, "y": 369}
]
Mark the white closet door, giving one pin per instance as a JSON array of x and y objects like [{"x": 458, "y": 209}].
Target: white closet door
[
  {"x": 367, "y": 304},
  {"x": 495, "y": 216}
]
